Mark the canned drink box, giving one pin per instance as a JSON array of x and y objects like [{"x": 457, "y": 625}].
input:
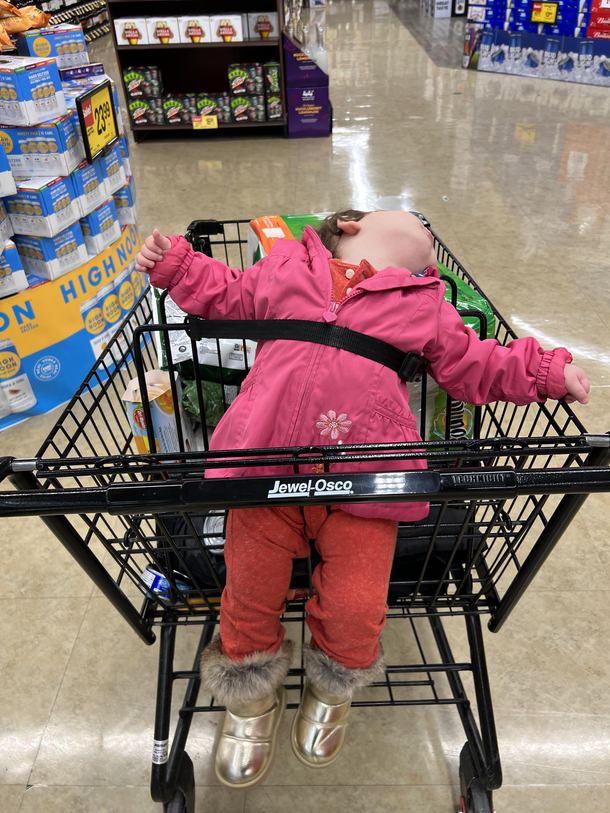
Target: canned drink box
[
  {"x": 143, "y": 82},
  {"x": 65, "y": 43},
  {"x": 82, "y": 71},
  {"x": 144, "y": 111},
  {"x": 51, "y": 257},
  {"x": 176, "y": 109},
  {"x": 101, "y": 227},
  {"x": 54, "y": 148},
  {"x": 125, "y": 156},
  {"x": 43, "y": 206},
  {"x": 194, "y": 29},
  {"x": 241, "y": 107},
  {"x": 89, "y": 186},
  {"x": 114, "y": 172},
  {"x": 6, "y": 227},
  {"x": 7, "y": 182},
  {"x": 162, "y": 588},
  {"x": 275, "y": 109},
  {"x": 214, "y": 104},
  {"x": 131, "y": 31},
  {"x": 273, "y": 78},
  {"x": 12, "y": 276},
  {"x": 125, "y": 202},
  {"x": 160, "y": 398},
  {"x": 227, "y": 28},
  {"x": 162, "y": 30},
  {"x": 263, "y": 26},
  {"x": 30, "y": 91},
  {"x": 108, "y": 301},
  {"x": 246, "y": 79}
]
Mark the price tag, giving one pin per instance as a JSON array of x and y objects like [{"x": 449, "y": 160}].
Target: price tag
[
  {"x": 205, "y": 122},
  {"x": 97, "y": 120},
  {"x": 545, "y": 13}
]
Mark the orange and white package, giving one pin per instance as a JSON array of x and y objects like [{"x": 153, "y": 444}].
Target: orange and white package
[
  {"x": 159, "y": 396},
  {"x": 4, "y": 37},
  {"x": 263, "y": 234},
  {"x": 25, "y": 19},
  {"x": 8, "y": 10}
]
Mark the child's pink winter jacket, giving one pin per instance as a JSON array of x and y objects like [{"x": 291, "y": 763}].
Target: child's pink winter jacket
[{"x": 301, "y": 394}]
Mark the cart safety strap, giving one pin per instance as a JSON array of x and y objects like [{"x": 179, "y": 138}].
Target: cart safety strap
[{"x": 408, "y": 366}]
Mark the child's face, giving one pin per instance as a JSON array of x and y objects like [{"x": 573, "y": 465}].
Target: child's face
[{"x": 401, "y": 236}]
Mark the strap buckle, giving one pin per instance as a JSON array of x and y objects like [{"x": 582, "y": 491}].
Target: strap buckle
[{"x": 412, "y": 367}]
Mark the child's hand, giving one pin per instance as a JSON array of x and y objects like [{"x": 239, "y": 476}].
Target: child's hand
[
  {"x": 577, "y": 385},
  {"x": 153, "y": 251}
]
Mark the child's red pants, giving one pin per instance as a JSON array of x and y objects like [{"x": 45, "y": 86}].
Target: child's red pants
[{"x": 348, "y": 613}]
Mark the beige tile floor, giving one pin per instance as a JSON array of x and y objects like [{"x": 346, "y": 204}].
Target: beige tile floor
[{"x": 514, "y": 174}]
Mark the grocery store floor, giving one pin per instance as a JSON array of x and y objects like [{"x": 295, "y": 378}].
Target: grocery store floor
[{"x": 514, "y": 174}]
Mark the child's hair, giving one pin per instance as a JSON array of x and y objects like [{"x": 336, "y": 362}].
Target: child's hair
[{"x": 328, "y": 230}]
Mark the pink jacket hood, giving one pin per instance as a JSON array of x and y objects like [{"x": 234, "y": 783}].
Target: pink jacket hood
[{"x": 300, "y": 394}]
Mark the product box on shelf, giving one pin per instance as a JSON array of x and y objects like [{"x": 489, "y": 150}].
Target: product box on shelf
[
  {"x": 114, "y": 172},
  {"x": 143, "y": 82},
  {"x": 146, "y": 111},
  {"x": 243, "y": 108},
  {"x": 125, "y": 202},
  {"x": 125, "y": 156},
  {"x": 177, "y": 108},
  {"x": 30, "y": 90},
  {"x": 51, "y": 257},
  {"x": 54, "y": 148},
  {"x": 308, "y": 112},
  {"x": 263, "y": 26},
  {"x": 194, "y": 29},
  {"x": 6, "y": 227},
  {"x": 77, "y": 87},
  {"x": 13, "y": 278},
  {"x": 66, "y": 43},
  {"x": 89, "y": 186},
  {"x": 82, "y": 71},
  {"x": 7, "y": 182},
  {"x": 246, "y": 79},
  {"x": 131, "y": 31},
  {"x": 162, "y": 31},
  {"x": 226, "y": 28},
  {"x": 272, "y": 77},
  {"x": 101, "y": 227},
  {"x": 214, "y": 104},
  {"x": 568, "y": 59},
  {"x": 43, "y": 207},
  {"x": 274, "y": 105}
]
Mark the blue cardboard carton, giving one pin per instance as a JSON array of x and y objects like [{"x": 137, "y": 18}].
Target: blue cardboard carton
[
  {"x": 51, "y": 257},
  {"x": 53, "y": 148},
  {"x": 43, "y": 206},
  {"x": 30, "y": 90},
  {"x": 101, "y": 227},
  {"x": 89, "y": 186}
]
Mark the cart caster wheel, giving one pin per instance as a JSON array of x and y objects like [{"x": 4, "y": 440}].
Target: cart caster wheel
[
  {"x": 183, "y": 800},
  {"x": 474, "y": 798},
  {"x": 177, "y": 804}
]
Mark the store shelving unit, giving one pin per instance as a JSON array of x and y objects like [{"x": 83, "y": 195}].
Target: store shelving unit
[
  {"x": 202, "y": 67},
  {"x": 91, "y": 14}
]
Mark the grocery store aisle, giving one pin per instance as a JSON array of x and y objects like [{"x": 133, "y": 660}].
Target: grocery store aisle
[{"x": 514, "y": 175}]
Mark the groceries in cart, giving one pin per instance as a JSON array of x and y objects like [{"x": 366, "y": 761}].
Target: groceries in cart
[{"x": 334, "y": 309}]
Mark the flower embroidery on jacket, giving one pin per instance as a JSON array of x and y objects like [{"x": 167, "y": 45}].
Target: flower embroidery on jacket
[{"x": 333, "y": 424}]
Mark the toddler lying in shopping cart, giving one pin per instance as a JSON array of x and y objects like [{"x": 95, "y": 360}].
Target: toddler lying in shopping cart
[{"x": 352, "y": 272}]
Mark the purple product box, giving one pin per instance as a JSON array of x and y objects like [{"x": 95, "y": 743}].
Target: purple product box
[
  {"x": 301, "y": 71},
  {"x": 308, "y": 112},
  {"x": 81, "y": 72}
]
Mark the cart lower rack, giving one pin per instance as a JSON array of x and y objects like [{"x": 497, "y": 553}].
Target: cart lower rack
[{"x": 500, "y": 499}]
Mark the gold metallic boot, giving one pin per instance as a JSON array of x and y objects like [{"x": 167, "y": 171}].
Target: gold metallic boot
[
  {"x": 320, "y": 724},
  {"x": 255, "y": 700}
]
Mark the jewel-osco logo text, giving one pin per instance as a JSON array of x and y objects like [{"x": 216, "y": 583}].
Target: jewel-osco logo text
[{"x": 309, "y": 488}]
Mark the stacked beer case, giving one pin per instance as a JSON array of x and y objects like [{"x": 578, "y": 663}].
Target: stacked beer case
[
  {"x": 566, "y": 40},
  {"x": 56, "y": 210}
]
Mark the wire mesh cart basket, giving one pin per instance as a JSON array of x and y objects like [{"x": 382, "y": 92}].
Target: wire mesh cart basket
[{"x": 501, "y": 496}]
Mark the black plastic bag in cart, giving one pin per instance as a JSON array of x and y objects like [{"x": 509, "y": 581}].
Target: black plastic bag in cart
[{"x": 411, "y": 549}]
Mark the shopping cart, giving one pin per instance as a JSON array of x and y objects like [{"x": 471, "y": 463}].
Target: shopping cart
[{"x": 500, "y": 501}]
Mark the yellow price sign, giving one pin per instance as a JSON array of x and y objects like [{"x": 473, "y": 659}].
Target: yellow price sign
[
  {"x": 98, "y": 119},
  {"x": 545, "y": 13},
  {"x": 205, "y": 122}
]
